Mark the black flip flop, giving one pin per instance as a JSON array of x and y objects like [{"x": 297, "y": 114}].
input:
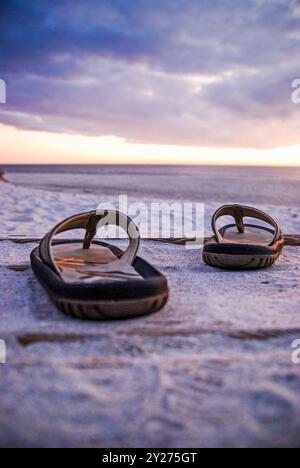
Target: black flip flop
[
  {"x": 96, "y": 280},
  {"x": 243, "y": 246}
]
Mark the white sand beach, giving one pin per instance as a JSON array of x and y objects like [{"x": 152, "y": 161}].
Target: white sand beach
[{"x": 213, "y": 368}]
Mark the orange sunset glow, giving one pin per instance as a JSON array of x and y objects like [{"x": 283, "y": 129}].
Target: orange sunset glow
[{"x": 21, "y": 147}]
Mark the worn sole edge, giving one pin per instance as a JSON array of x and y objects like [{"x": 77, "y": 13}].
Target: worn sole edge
[
  {"x": 109, "y": 310},
  {"x": 239, "y": 262}
]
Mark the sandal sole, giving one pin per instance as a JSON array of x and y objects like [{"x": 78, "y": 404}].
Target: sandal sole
[
  {"x": 239, "y": 262},
  {"x": 110, "y": 310}
]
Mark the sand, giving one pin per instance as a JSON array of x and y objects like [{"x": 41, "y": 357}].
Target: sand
[{"x": 213, "y": 369}]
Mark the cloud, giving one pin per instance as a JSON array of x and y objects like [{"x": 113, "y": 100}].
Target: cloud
[{"x": 198, "y": 72}]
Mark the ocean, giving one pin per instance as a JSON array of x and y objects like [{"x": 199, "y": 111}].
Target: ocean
[{"x": 220, "y": 184}]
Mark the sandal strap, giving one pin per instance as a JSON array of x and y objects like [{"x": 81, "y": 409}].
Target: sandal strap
[
  {"x": 91, "y": 222},
  {"x": 239, "y": 212}
]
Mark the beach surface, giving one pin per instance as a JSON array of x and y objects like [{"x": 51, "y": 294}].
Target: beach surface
[{"x": 212, "y": 369}]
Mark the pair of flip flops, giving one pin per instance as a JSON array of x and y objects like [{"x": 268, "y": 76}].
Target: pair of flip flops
[{"x": 94, "y": 280}]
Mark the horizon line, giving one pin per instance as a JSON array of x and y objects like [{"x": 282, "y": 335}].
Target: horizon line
[{"x": 164, "y": 164}]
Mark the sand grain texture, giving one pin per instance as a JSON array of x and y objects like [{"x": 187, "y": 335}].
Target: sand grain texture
[{"x": 213, "y": 369}]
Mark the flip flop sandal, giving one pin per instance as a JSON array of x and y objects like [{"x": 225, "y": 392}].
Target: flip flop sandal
[
  {"x": 243, "y": 246},
  {"x": 96, "y": 280}
]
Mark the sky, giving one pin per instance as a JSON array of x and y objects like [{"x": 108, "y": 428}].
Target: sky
[{"x": 150, "y": 81}]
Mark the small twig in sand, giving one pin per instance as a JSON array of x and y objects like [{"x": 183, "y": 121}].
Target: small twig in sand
[
  {"x": 289, "y": 239},
  {"x": 19, "y": 267}
]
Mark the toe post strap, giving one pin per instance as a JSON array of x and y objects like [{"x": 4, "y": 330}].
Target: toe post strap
[{"x": 239, "y": 212}]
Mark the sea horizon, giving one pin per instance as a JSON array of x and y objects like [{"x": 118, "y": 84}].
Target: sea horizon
[{"x": 71, "y": 168}]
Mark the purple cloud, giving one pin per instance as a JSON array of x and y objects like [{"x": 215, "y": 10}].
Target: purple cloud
[{"x": 198, "y": 72}]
